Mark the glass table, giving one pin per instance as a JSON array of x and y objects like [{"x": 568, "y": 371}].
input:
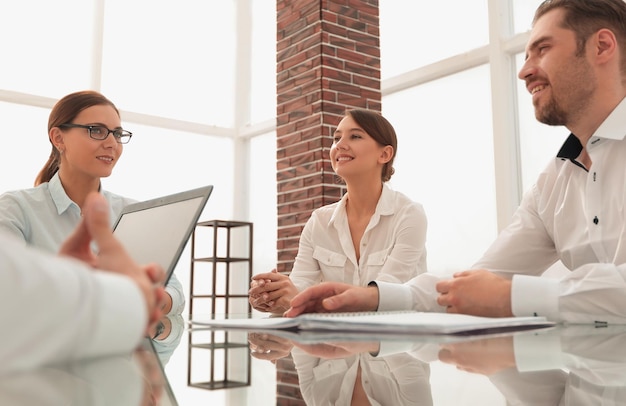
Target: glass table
[
  {"x": 571, "y": 365},
  {"x": 562, "y": 365}
]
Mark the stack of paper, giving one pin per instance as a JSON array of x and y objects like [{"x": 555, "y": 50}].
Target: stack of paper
[{"x": 383, "y": 322}]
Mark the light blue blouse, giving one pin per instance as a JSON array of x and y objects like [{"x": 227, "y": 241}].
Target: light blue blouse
[{"x": 44, "y": 216}]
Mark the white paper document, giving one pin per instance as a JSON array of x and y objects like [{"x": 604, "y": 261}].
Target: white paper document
[{"x": 385, "y": 322}]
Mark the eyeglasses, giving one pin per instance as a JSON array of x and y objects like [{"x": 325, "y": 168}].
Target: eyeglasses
[{"x": 100, "y": 132}]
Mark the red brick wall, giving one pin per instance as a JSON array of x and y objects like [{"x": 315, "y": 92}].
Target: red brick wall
[{"x": 328, "y": 61}]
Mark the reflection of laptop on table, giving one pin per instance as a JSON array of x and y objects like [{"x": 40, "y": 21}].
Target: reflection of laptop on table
[{"x": 157, "y": 230}]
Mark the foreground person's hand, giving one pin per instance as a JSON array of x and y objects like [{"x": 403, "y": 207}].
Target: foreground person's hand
[{"x": 112, "y": 256}]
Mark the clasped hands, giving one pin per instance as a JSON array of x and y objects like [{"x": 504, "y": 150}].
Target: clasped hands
[{"x": 271, "y": 292}]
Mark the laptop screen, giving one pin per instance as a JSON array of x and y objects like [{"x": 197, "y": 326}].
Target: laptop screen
[{"x": 157, "y": 230}]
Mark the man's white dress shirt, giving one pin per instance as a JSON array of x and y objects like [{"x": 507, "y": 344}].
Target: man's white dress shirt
[{"x": 570, "y": 214}]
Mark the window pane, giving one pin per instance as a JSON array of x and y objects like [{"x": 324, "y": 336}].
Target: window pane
[
  {"x": 523, "y": 12},
  {"x": 159, "y": 161},
  {"x": 263, "y": 61},
  {"x": 262, "y": 202},
  {"x": 25, "y": 130},
  {"x": 445, "y": 161},
  {"x": 413, "y": 33},
  {"x": 173, "y": 60},
  {"x": 46, "y": 46},
  {"x": 539, "y": 143}
]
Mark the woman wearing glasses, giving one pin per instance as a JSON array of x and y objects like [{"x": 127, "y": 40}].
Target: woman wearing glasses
[{"x": 87, "y": 140}]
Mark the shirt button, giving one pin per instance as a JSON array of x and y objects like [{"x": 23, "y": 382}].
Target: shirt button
[{"x": 595, "y": 220}]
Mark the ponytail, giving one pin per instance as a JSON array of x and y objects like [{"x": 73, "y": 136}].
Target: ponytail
[{"x": 50, "y": 168}]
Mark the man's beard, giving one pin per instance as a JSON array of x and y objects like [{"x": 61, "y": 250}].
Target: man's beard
[{"x": 551, "y": 114}]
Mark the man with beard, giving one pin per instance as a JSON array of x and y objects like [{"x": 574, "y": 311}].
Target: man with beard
[{"x": 575, "y": 69}]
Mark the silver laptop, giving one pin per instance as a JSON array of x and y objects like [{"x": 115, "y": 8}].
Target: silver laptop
[{"x": 157, "y": 230}]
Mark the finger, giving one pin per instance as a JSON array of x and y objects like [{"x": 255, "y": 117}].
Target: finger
[
  {"x": 307, "y": 295},
  {"x": 443, "y": 286},
  {"x": 257, "y": 291},
  {"x": 338, "y": 302},
  {"x": 445, "y": 355},
  {"x": 293, "y": 311},
  {"x": 264, "y": 275},
  {"x": 269, "y": 277},
  {"x": 77, "y": 245},
  {"x": 155, "y": 272},
  {"x": 96, "y": 215}
]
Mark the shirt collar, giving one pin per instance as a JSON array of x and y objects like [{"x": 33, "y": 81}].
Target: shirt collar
[
  {"x": 612, "y": 128},
  {"x": 59, "y": 197},
  {"x": 385, "y": 205}
]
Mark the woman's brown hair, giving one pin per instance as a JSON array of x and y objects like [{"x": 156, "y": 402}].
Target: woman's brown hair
[
  {"x": 64, "y": 112},
  {"x": 381, "y": 131}
]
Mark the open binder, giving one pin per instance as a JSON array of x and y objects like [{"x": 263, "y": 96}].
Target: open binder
[{"x": 404, "y": 322}]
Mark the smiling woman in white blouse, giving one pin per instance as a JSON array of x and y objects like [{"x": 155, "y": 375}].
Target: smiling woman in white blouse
[{"x": 373, "y": 232}]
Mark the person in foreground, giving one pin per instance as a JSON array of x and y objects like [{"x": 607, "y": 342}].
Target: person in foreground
[
  {"x": 85, "y": 131},
  {"x": 372, "y": 232},
  {"x": 575, "y": 69},
  {"x": 62, "y": 309}
]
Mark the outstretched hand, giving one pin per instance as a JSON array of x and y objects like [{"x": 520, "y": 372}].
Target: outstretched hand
[
  {"x": 334, "y": 297},
  {"x": 112, "y": 256}
]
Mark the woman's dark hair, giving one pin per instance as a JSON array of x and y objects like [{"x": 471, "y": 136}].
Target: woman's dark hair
[
  {"x": 63, "y": 112},
  {"x": 381, "y": 131}
]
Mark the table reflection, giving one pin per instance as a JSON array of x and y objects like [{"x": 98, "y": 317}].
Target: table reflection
[
  {"x": 575, "y": 365},
  {"x": 166, "y": 336},
  {"x": 131, "y": 379},
  {"x": 565, "y": 365}
]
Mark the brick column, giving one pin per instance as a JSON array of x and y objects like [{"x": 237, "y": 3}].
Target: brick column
[{"x": 328, "y": 61}]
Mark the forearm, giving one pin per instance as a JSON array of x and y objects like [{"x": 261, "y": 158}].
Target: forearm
[
  {"x": 417, "y": 294},
  {"x": 80, "y": 312}
]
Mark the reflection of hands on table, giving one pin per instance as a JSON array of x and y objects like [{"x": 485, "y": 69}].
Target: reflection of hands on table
[
  {"x": 152, "y": 376},
  {"x": 269, "y": 347},
  {"x": 338, "y": 349},
  {"x": 483, "y": 356},
  {"x": 161, "y": 330}
]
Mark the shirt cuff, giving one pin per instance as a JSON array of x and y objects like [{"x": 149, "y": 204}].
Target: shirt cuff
[
  {"x": 392, "y": 347},
  {"x": 537, "y": 352},
  {"x": 393, "y": 296},
  {"x": 175, "y": 289},
  {"x": 535, "y": 296}
]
